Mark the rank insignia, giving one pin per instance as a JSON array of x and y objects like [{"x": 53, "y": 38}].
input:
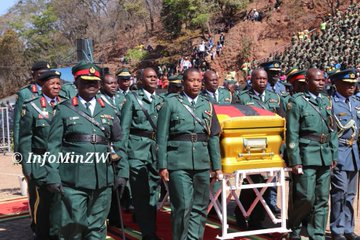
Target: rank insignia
[
  {"x": 227, "y": 99},
  {"x": 357, "y": 108},
  {"x": 273, "y": 100},
  {"x": 342, "y": 114},
  {"x": 92, "y": 70},
  {"x": 328, "y": 107},
  {"x": 208, "y": 113},
  {"x": 250, "y": 103}
]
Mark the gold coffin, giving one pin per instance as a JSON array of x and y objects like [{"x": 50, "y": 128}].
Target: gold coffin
[{"x": 250, "y": 139}]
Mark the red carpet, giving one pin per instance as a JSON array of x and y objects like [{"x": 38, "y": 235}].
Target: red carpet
[{"x": 15, "y": 208}]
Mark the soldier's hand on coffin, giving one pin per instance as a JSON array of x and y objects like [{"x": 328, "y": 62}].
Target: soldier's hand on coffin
[
  {"x": 164, "y": 174},
  {"x": 55, "y": 188},
  {"x": 219, "y": 175},
  {"x": 297, "y": 169}
]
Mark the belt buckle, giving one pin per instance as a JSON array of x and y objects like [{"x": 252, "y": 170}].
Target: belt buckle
[
  {"x": 93, "y": 139},
  {"x": 323, "y": 138},
  {"x": 194, "y": 137},
  {"x": 153, "y": 135}
]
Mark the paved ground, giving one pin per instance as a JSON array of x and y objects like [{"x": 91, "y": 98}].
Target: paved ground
[{"x": 10, "y": 188}]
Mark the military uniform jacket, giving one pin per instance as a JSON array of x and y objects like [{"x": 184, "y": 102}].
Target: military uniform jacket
[
  {"x": 31, "y": 91},
  {"x": 90, "y": 174},
  {"x": 116, "y": 102},
  {"x": 303, "y": 120},
  {"x": 68, "y": 91},
  {"x": 35, "y": 126},
  {"x": 271, "y": 102},
  {"x": 224, "y": 96},
  {"x": 175, "y": 119},
  {"x": 348, "y": 158},
  {"x": 133, "y": 119},
  {"x": 278, "y": 88}
]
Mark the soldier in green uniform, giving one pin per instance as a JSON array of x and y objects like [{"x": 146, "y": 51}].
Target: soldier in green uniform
[
  {"x": 124, "y": 81},
  {"x": 212, "y": 90},
  {"x": 68, "y": 90},
  {"x": 175, "y": 85},
  {"x": 188, "y": 140},
  {"x": 258, "y": 95},
  {"x": 138, "y": 121},
  {"x": 83, "y": 128},
  {"x": 109, "y": 93},
  {"x": 36, "y": 116},
  {"x": 32, "y": 90},
  {"x": 312, "y": 151}
]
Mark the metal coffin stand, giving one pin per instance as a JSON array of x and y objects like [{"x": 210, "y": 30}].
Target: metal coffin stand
[{"x": 233, "y": 183}]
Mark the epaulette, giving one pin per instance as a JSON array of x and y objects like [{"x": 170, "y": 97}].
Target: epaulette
[
  {"x": 296, "y": 95},
  {"x": 170, "y": 95},
  {"x": 243, "y": 92},
  {"x": 31, "y": 99}
]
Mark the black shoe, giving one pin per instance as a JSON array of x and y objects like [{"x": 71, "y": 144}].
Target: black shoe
[
  {"x": 338, "y": 237},
  {"x": 276, "y": 211},
  {"x": 351, "y": 236}
]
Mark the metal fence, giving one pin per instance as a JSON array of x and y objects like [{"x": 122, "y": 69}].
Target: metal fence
[{"x": 5, "y": 126}]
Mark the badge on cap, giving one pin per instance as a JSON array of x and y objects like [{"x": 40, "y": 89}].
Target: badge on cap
[
  {"x": 351, "y": 75},
  {"x": 276, "y": 65},
  {"x": 57, "y": 73},
  {"x": 48, "y": 65},
  {"x": 92, "y": 70}
]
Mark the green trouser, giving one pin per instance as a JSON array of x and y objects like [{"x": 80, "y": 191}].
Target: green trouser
[
  {"x": 32, "y": 199},
  {"x": 144, "y": 182},
  {"x": 86, "y": 220},
  {"x": 189, "y": 196},
  {"x": 41, "y": 212},
  {"x": 310, "y": 197}
]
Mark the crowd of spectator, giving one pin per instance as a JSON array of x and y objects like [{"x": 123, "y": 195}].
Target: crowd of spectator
[{"x": 337, "y": 46}]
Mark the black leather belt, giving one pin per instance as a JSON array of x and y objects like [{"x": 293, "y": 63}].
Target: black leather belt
[
  {"x": 142, "y": 133},
  {"x": 38, "y": 151},
  {"x": 191, "y": 137},
  {"x": 90, "y": 138},
  {"x": 321, "y": 138}
]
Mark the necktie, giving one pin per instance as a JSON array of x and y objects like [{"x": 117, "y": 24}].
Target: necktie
[
  {"x": 262, "y": 97},
  {"x": 193, "y": 104},
  {"x": 215, "y": 97},
  {"x": 347, "y": 101},
  {"x": 52, "y": 103},
  {"x": 87, "y": 105},
  {"x": 318, "y": 101}
]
